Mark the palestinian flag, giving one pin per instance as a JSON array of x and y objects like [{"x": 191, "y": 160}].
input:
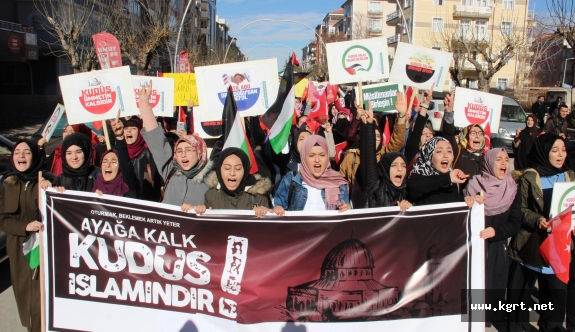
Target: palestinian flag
[
  {"x": 32, "y": 250},
  {"x": 279, "y": 117},
  {"x": 234, "y": 134}
]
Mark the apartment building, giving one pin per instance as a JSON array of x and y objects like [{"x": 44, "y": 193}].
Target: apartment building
[
  {"x": 435, "y": 23},
  {"x": 308, "y": 56},
  {"x": 366, "y": 18}
]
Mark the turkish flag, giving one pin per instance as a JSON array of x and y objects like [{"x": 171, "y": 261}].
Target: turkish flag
[
  {"x": 556, "y": 249},
  {"x": 386, "y": 134},
  {"x": 320, "y": 107},
  {"x": 408, "y": 94},
  {"x": 339, "y": 151},
  {"x": 332, "y": 94}
]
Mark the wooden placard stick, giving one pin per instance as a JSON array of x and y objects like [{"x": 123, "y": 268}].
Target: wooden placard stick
[
  {"x": 410, "y": 106},
  {"x": 106, "y": 135},
  {"x": 360, "y": 97}
]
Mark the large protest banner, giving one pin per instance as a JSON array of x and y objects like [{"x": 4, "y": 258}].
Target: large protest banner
[
  {"x": 185, "y": 88},
  {"x": 419, "y": 66},
  {"x": 162, "y": 97},
  {"x": 97, "y": 95},
  {"x": 476, "y": 107},
  {"x": 357, "y": 60},
  {"x": 115, "y": 264},
  {"x": 255, "y": 85}
]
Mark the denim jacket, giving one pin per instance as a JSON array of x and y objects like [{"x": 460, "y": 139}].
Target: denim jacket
[{"x": 299, "y": 193}]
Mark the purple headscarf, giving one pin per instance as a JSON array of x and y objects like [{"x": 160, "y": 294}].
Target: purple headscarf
[{"x": 116, "y": 187}]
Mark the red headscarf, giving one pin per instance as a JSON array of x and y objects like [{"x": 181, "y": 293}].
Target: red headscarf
[{"x": 136, "y": 148}]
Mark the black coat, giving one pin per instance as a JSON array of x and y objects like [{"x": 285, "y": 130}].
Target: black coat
[
  {"x": 464, "y": 160},
  {"x": 538, "y": 110},
  {"x": 432, "y": 189},
  {"x": 414, "y": 138}
]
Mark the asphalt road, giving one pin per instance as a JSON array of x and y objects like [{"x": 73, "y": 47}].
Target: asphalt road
[{"x": 9, "y": 319}]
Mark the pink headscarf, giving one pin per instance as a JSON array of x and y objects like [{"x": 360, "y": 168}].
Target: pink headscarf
[
  {"x": 499, "y": 194},
  {"x": 330, "y": 180}
]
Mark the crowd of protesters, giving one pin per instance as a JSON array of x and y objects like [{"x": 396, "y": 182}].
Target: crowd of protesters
[{"x": 415, "y": 167}]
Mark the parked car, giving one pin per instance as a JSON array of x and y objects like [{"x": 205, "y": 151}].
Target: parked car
[
  {"x": 512, "y": 117},
  {"x": 436, "y": 115},
  {"x": 6, "y": 147}
]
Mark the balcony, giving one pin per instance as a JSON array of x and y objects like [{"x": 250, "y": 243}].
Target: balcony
[
  {"x": 468, "y": 36},
  {"x": 469, "y": 66},
  {"x": 374, "y": 13},
  {"x": 471, "y": 11},
  {"x": 392, "y": 16},
  {"x": 393, "y": 39}
]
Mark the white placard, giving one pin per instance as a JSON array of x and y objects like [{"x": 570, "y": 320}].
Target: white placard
[
  {"x": 162, "y": 98},
  {"x": 97, "y": 95},
  {"x": 53, "y": 122},
  {"x": 476, "y": 107},
  {"x": 197, "y": 117},
  {"x": 255, "y": 85},
  {"x": 563, "y": 196},
  {"x": 420, "y": 67},
  {"x": 357, "y": 60}
]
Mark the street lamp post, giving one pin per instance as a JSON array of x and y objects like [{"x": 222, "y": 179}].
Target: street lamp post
[
  {"x": 219, "y": 60},
  {"x": 404, "y": 21},
  {"x": 180, "y": 33}
]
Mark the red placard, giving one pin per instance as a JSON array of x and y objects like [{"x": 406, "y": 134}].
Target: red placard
[
  {"x": 108, "y": 50},
  {"x": 14, "y": 44},
  {"x": 183, "y": 62}
]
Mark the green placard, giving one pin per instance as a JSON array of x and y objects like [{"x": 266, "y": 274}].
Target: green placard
[{"x": 381, "y": 96}]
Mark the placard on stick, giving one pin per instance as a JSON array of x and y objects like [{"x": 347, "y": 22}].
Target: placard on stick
[
  {"x": 419, "y": 66},
  {"x": 185, "y": 88},
  {"x": 357, "y": 60},
  {"x": 382, "y": 96},
  {"x": 563, "y": 196},
  {"x": 476, "y": 107},
  {"x": 53, "y": 122},
  {"x": 255, "y": 85},
  {"x": 162, "y": 97},
  {"x": 97, "y": 95}
]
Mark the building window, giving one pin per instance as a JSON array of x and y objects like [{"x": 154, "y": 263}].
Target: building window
[
  {"x": 467, "y": 2},
  {"x": 471, "y": 83},
  {"x": 502, "y": 83},
  {"x": 375, "y": 7},
  {"x": 407, "y": 24},
  {"x": 407, "y": 3},
  {"x": 375, "y": 25},
  {"x": 506, "y": 28},
  {"x": 439, "y": 48},
  {"x": 481, "y": 29},
  {"x": 438, "y": 2},
  {"x": 481, "y": 3},
  {"x": 508, "y": 4},
  {"x": 437, "y": 25},
  {"x": 464, "y": 27}
]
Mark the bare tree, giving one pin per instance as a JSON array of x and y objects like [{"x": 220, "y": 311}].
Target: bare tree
[
  {"x": 562, "y": 19},
  {"x": 361, "y": 28},
  {"x": 72, "y": 25},
  {"x": 144, "y": 31},
  {"x": 484, "y": 53}
]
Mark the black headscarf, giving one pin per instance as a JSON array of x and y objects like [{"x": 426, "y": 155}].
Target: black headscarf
[
  {"x": 247, "y": 180},
  {"x": 533, "y": 131},
  {"x": 76, "y": 179},
  {"x": 38, "y": 161},
  {"x": 295, "y": 156},
  {"x": 392, "y": 193},
  {"x": 538, "y": 157}
]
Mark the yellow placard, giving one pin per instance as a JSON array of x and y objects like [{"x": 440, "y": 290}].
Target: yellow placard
[
  {"x": 185, "y": 88},
  {"x": 300, "y": 87}
]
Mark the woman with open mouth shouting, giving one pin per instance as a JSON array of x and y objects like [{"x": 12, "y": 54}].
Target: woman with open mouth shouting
[
  {"x": 382, "y": 182},
  {"x": 18, "y": 218},
  {"x": 185, "y": 169},
  {"x": 316, "y": 186},
  {"x": 232, "y": 187},
  {"x": 78, "y": 173},
  {"x": 433, "y": 181},
  {"x": 548, "y": 162},
  {"x": 502, "y": 221},
  {"x": 469, "y": 151}
]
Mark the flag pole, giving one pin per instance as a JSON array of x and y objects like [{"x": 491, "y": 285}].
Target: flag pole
[
  {"x": 106, "y": 135},
  {"x": 410, "y": 107},
  {"x": 41, "y": 267}
]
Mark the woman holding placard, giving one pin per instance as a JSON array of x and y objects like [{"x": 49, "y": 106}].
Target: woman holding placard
[
  {"x": 548, "y": 164},
  {"x": 184, "y": 169},
  {"x": 316, "y": 187},
  {"x": 502, "y": 221}
]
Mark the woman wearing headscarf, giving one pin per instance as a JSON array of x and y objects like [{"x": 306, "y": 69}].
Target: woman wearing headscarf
[
  {"x": 183, "y": 169},
  {"x": 78, "y": 173},
  {"x": 149, "y": 180},
  {"x": 316, "y": 186},
  {"x": 54, "y": 162},
  {"x": 340, "y": 125},
  {"x": 117, "y": 176},
  {"x": 523, "y": 142},
  {"x": 18, "y": 218},
  {"x": 232, "y": 187},
  {"x": 433, "y": 180},
  {"x": 548, "y": 164},
  {"x": 385, "y": 183},
  {"x": 503, "y": 215},
  {"x": 468, "y": 152}
]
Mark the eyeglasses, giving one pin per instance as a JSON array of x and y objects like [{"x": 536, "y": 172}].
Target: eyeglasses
[
  {"x": 108, "y": 163},
  {"x": 476, "y": 134},
  {"x": 181, "y": 153}
]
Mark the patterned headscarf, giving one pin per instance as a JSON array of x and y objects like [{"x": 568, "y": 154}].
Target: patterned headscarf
[
  {"x": 424, "y": 165},
  {"x": 464, "y": 137},
  {"x": 201, "y": 151}
]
